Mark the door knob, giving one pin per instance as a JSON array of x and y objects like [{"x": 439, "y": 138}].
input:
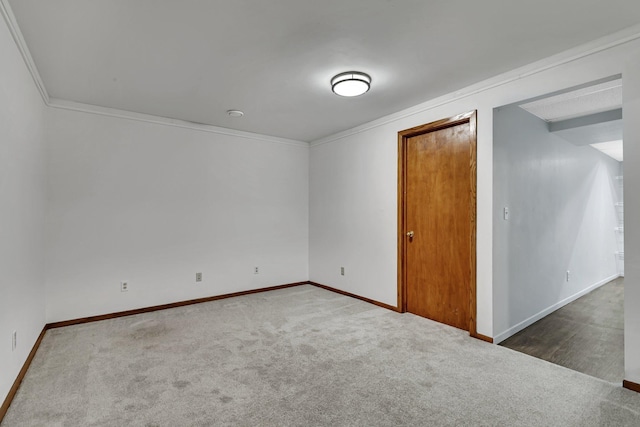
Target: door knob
[{"x": 410, "y": 234}]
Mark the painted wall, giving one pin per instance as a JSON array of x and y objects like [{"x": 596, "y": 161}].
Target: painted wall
[
  {"x": 154, "y": 204},
  {"x": 562, "y": 217},
  {"x": 631, "y": 112},
  {"x": 353, "y": 176},
  {"x": 353, "y": 220},
  {"x": 22, "y": 198}
]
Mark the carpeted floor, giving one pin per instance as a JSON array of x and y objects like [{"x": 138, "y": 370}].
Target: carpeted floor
[{"x": 301, "y": 356}]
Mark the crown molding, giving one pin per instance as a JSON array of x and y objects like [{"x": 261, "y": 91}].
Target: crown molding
[
  {"x": 616, "y": 39},
  {"x": 625, "y": 36},
  {"x": 165, "y": 121},
  {"x": 14, "y": 29},
  {"x": 16, "y": 33}
]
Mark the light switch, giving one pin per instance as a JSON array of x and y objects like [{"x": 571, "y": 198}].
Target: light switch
[{"x": 506, "y": 213}]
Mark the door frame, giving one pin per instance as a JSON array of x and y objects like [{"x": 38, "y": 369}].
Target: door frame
[{"x": 403, "y": 137}]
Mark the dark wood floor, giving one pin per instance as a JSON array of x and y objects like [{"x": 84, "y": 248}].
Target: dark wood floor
[{"x": 586, "y": 335}]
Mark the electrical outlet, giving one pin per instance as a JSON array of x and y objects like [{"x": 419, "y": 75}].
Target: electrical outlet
[
  {"x": 256, "y": 270},
  {"x": 568, "y": 275},
  {"x": 14, "y": 340},
  {"x": 342, "y": 271},
  {"x": 198, "y": 277},
  {"x": 124, "y": 286}
]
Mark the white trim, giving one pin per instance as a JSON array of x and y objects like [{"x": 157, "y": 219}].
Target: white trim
[
  {"x": 14, "y": 29},
  {"x": 165, "y": 121},
  {"x": 533, "y": 319},
  {"x": 625, "y": 36},
  {"x": 21, "y": 44}
]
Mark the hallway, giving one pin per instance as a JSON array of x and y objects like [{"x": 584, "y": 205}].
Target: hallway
[{"x": 586, "y": 335}]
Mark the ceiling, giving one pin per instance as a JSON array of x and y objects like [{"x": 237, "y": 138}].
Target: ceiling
[
  {"x": 588, "y": 115},
  {"x": 194, "y": 59},
  {"x": 580, "y": 102},
  {"x": 613, "y": 149}
]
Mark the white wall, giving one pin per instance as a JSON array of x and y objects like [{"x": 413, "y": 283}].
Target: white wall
[
  {"x": 364, "y": 161},
  {"x": 154, "y": 204},
  {"x": 22, "y": 198},
  {"x": 562, "y": 205},
  {"x": 353, "y": 219},
  {"x": 631, "y": 112}
]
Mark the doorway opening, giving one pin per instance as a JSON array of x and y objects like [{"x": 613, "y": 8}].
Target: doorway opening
[{"x": 558, "y": 228}]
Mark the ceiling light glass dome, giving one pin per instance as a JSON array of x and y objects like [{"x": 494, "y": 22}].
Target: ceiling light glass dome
[{"x": 352, "y": 83}]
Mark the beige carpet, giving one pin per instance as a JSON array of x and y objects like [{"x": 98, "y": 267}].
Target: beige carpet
[{"x": 301, "y": 356}]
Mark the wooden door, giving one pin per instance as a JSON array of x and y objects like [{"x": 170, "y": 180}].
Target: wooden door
[{"x": 437, "y": 232}]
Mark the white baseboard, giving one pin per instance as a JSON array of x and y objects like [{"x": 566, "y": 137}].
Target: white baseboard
[{"x": 533, "y": 319}]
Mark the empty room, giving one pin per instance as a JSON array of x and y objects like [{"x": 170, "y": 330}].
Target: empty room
[{"x": 284, "y": 213}]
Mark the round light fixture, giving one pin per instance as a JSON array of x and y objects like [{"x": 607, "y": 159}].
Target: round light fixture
[
  {"x": 352, "y": 83},
  {"x": 235, "y": 113}
]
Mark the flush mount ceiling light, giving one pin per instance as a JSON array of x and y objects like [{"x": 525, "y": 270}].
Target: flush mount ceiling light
[
  {"x": 235, "y": 113},
  {"x": 352, "y": 83}
]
